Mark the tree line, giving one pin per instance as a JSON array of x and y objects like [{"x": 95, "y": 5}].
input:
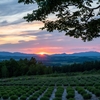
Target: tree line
[
  {"x": 13, "y": 68},
  {"x": 78, "y": 67}
]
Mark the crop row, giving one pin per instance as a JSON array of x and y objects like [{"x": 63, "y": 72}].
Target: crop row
[
  {"x": 46, "y": 92},
  {"x": 52, "y": 81},
  {"x": 84, "y": 93}
]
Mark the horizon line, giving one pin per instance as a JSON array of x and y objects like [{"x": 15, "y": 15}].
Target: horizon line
[{"x": 46, "y": 53}]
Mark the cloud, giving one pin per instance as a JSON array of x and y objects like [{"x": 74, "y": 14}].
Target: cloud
[
  {"x": 11, "y": 12},
  {"x": 20, "y": 28},
  {"x": 6, "y": 23},
  {"x": 5, "y": 1},
  {"x": 25, "y": 37},
  {"x": 15, "y": 39},
  {"x": 12, "y": 7},
  {"x": 18, "y": 35}
]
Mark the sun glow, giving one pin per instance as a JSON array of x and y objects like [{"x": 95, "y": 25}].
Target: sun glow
[{"x": 42, "y": 53}]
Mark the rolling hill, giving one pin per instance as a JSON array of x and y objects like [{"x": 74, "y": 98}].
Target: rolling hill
[{"x": 55, "y": 59}]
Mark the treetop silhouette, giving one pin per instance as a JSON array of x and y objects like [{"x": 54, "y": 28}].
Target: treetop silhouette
[{"x": 77, "y": 18}]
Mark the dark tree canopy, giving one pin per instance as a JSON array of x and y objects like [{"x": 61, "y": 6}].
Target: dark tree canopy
[{"x": 77, "y": 18}]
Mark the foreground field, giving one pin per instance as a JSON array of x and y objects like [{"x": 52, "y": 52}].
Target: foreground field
[{"x": 51, "y": 88}]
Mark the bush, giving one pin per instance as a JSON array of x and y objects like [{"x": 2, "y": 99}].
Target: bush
[
  {"x": 86, "y": 96},
  {"x": 44, "y": 98},
  {"x": 5, "y": 96},
  {"x": 70, "y": 95},
  {"x": 57, "y": 98},
  {"x": 33, "y": 98},
  {"x": 70, "y": 92},
  {"x": 71, "y": 99},
  {"x": 23, "y": 97},
  {"x": 31, "y": 92},
  {"x": 14, "y": 97},
  {"x": 97, "y": 92},
  {"x": 37, "y": 94},
  {"x": 47, "y": 95},
  {"x": 58, "y": 94},
  {"x": 11, "y": 93},
  {"x": 18, "y": 94}
]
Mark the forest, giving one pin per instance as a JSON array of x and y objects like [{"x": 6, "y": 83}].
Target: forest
[
  {"x": 22, "y": 67},
  {"x": 13, "y": 68}
]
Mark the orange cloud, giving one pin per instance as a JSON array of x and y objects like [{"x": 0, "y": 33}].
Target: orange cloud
[
  {"x": 15, "y": 39},
  {"x": 13, "y": 29},
  {"x": 14, "y": 33}
]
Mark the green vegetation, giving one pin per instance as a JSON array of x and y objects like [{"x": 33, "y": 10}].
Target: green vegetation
[
  {"x": 95, "y": 90},
  {"x": 83, "y": 93},
  {"x": 13, "y": 68},
  {"x": 85, "y": 67},
  {"x": 48, "y": 92},
  {"x": 23, "y": 97},
  {"x": 13, "y": 97},
  {"x": 59, "y": 92},
  {"x": 5, "y": 96},
  {"x": 44, "y": 86},
  {"x": 44, "y": 98},
  {"x": 26, "y": 88},
  {"x": 70, "y": 93}
]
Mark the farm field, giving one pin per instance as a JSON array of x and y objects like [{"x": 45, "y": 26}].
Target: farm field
[{"x": 86, "y": 87}]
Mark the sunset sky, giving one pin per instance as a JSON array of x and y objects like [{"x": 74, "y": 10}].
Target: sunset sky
[{"x": 17, "y": 35}]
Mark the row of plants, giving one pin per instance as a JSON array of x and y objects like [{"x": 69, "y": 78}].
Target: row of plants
[
  {"x": 70, "y": 93},
  {"x": 14, "y": 88},
  {"x": 58, "y": 93},
  {"x": 94, "y": 90},
  {"x": 36, "y": 95},
  {"x": 32, "y": 93},
  {"x": 57, "y": 81},
  {"x": 48, "y": 93},
  {"x": 15, "y": 92},
  {"x": 84, "y": 93}
]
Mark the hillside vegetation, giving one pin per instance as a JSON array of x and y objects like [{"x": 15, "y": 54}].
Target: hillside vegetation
[{"x": 22, "y": 67}]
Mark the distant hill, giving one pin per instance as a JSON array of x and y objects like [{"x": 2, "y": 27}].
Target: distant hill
[
  {"x": 91, "y": 53},
  {"x": 3, "y": 53},
  {"x": 55, "y": 59},
  {"x": 63, "y": 54},
  {"x": 83, "y": 54}
]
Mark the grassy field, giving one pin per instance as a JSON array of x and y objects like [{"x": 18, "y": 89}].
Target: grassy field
[{"x": 51, "y": 87}]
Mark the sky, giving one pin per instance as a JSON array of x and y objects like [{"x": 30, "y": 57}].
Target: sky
[{"x": 17, "y": 35}]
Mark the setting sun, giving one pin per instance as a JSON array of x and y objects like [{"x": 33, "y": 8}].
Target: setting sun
[{"x": 42, "y": 53}]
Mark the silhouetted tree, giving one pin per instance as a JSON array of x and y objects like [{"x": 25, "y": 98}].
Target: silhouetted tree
[
  {"x": 4, "y": 71},
  {"x": 77, "y": 18}
]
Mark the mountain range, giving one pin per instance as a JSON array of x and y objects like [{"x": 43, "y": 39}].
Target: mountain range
[
  {"x": 86, "y": 54},
  {"x": 89, "y": 53},
  {"x": 54, "y": 59}
]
